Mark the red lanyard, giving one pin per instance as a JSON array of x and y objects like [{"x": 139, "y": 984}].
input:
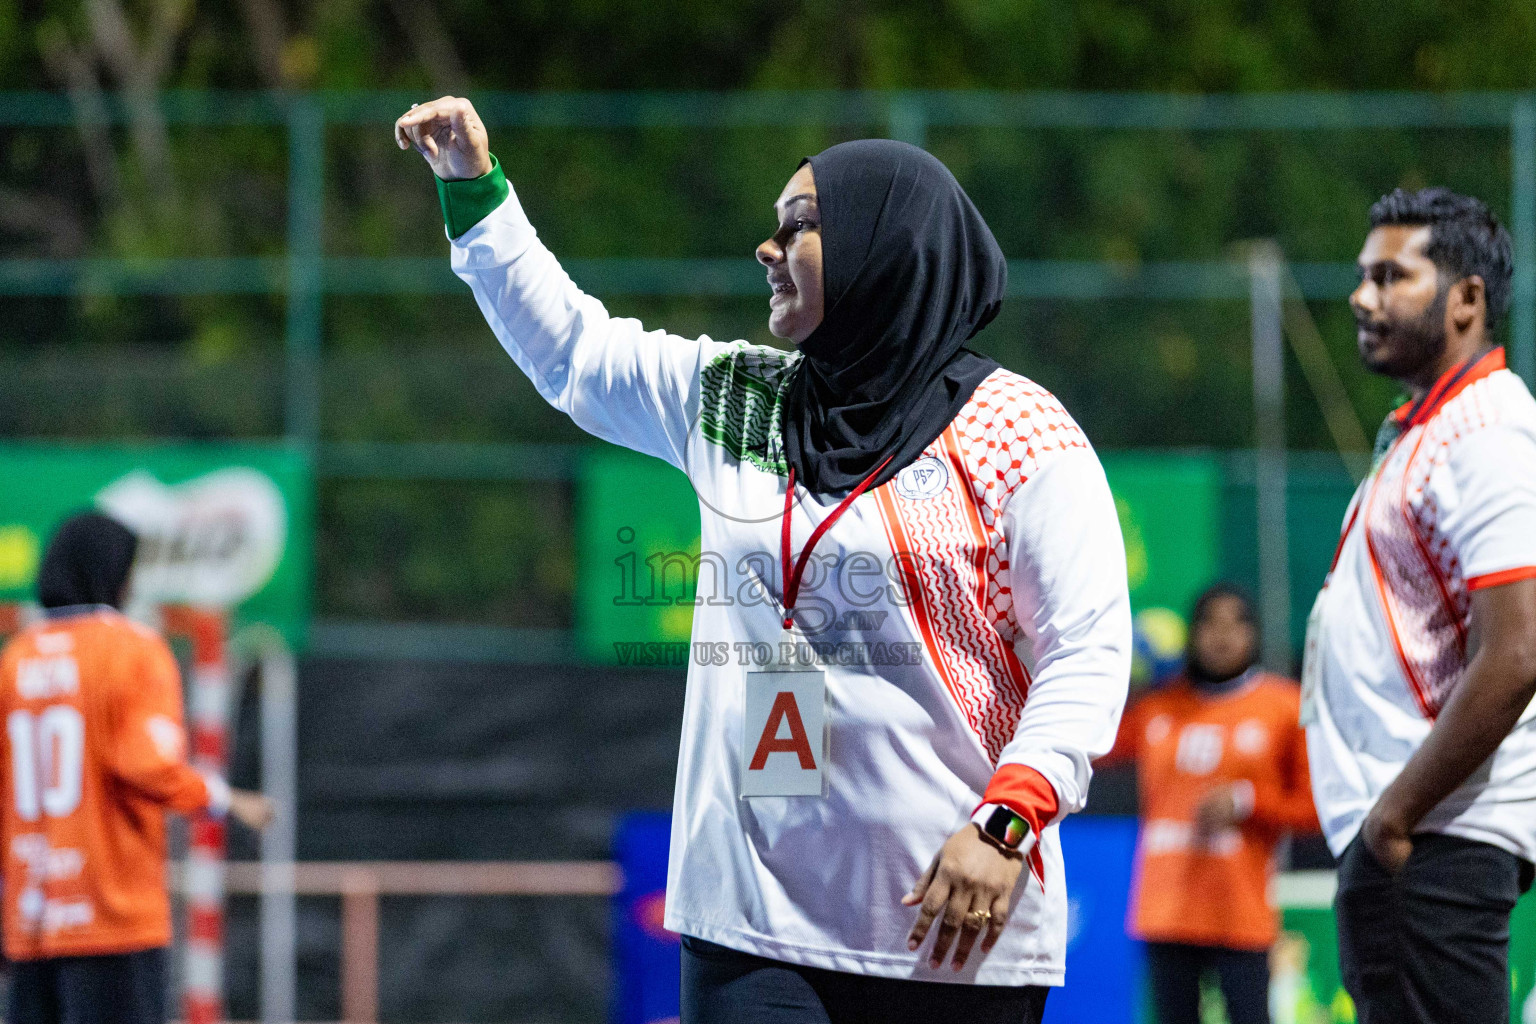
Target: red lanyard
[{"x": 792, "y": 578}]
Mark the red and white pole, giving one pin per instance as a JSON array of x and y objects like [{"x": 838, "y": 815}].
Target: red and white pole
[{"x": 203, "y": 987}]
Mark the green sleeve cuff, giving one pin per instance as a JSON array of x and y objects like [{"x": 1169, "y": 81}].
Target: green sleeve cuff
[{"x": 468, "y": 202}]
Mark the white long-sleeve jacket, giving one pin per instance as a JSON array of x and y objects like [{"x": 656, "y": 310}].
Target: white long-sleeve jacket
[{"x": 969, "y": 614}]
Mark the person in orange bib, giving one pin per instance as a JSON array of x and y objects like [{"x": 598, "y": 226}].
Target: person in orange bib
[
  {"x": 94, "y": 754},
  {"x": 1222, "y": 770}
]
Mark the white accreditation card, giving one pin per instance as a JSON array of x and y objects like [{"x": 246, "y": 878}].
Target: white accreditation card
[{"x": 784, "y": 737}]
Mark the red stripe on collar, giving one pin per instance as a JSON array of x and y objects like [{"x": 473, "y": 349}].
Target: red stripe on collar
[{"x": 1452, "y": 383}]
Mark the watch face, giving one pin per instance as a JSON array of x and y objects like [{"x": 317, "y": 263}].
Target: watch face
[{"x": 1007, "y": 827}]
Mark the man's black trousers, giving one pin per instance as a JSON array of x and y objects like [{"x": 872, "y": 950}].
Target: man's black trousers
[{"x": 1432, "y": 944}]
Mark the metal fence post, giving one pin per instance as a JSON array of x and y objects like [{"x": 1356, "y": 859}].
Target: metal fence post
[
  {"x": 1268, "y": 314},
  {"x": 908, "y": 119},
  {"x": 360, "y": 947},
  {"x": 261, "y": 647},
  {"x": 1522, "y": 339},
  {"x": 306, "y": 194}
]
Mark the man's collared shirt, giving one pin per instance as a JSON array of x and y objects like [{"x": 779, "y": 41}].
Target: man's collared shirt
[{"x": 1448, "y": 508}]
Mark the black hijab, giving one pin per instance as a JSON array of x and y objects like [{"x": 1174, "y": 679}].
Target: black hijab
[
  {"x": 911, "y": 273},
  {"x": 87, "y": 562},
  {"x": 1201, "y": 676}
]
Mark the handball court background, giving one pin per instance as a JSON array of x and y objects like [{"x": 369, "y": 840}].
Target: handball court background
[{"x": 209, "y": 245}]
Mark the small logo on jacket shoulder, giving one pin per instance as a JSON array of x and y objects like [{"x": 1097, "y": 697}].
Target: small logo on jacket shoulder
[{"x": 926, "y": 478}]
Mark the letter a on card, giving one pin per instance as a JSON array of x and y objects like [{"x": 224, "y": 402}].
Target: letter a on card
[{"x": 784, "y": 734}]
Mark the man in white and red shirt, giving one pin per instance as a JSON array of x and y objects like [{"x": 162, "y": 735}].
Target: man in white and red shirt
[{"x": 1421, "y": 653}]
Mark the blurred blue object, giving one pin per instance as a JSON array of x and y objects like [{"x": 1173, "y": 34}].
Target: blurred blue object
[
  {"x": 646, "y": 957},
  {"x": 1157, "y": 647},
  {"x": 1103, "y": 963}
]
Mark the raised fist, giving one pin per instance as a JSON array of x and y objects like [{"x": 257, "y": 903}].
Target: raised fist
[{"x": 450, "y": 135}]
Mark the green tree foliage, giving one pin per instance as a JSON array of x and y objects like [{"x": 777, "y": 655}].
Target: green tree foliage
[
  {"x": 1182, "y": 45},
  {"x": 412, "y": 368}
]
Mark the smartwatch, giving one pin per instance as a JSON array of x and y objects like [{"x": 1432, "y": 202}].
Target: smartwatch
[{"x": 1001, "y": 827}]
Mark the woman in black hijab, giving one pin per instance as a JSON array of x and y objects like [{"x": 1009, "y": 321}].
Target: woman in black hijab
[
  {"x": 1222, "y": 777},
  {"x": 875, "y": 753},
  {"x": 87, "y": 563},
  {"x": 911, "y": 272}
]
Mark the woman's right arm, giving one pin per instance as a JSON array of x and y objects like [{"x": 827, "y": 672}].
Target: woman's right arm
[
  {"x": 1283, "y": 801},
  {"x": 613, "y": 378},
  {"x": 1127, "y": 741}
]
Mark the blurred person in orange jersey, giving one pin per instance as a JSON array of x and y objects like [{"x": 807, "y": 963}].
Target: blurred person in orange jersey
[
  {"x": 1222, "y": 770},
  {"x": 94, "y": 755}
]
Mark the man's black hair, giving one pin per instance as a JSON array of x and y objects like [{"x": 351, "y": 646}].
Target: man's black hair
[{"x": 1465, "y": 238}]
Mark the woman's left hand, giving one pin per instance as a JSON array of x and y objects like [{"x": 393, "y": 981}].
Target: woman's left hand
[{"x": 968, "y": 888}]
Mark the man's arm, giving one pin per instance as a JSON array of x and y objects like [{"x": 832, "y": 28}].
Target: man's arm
[{"x": 1498, "y": 686}]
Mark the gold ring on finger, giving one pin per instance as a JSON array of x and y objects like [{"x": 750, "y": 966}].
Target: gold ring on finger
[{"x": 978, "y": 917}]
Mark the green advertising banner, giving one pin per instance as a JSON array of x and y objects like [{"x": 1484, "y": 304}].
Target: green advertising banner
[
  {"x": 227, "y": 526},
  {"x": 1170, "y": 516},
  {"x": 1318, "y": 489},
  {"x": 1305, "y": 987},
  {"x": 636, "y": 514}
]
